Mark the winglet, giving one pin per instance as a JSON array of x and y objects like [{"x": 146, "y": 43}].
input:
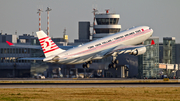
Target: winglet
[
  {"x": 9, "y": 43},
  {"x": 152, "y": 42}
]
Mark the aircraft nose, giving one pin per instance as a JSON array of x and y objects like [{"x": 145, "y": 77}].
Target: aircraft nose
[{"x": 152, "y": 31}]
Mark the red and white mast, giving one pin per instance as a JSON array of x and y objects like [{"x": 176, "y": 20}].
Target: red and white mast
[
  {"x": 94, "y": 12},
  {"x": 39, "y": 11},
  {"x": 48, "y": 9}
]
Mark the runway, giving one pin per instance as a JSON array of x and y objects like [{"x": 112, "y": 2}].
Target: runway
[{"x": 85, "y": 85}]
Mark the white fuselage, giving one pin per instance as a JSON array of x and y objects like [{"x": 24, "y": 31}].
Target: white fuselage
[{"x": 87, "y": 52}]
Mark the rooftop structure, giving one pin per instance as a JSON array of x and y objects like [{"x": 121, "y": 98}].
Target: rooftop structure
[
  {"x": 169, "y": 50},
  {"x": 107, "y": 23}
]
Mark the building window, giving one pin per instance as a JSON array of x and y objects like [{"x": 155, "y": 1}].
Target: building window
[
  {"x": 17, "y": 51},
  {"x": 28, "y": 50},
  {"x": 14, "y": 51},
  {"x": 2, "y": 59},
  {"x": 7, "y": 59},
  {"x": 107, "y": 30},
  {"x": 5, "y": 51},
  {"x": 3, "y": 39},
  {"x": 107, "y": 21},
  {"x": 10, "y": 50},
  {"x": 24, "y": 50},
  {"x": 20, "y": 51}
]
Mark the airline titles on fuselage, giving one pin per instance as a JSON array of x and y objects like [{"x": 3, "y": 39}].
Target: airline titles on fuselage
[{"x": 119, "y": 37}]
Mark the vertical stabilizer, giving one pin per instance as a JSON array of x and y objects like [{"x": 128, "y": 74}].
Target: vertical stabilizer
[{"x": 48, "y": 46}]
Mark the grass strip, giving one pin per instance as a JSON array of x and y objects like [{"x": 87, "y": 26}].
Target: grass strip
[{"x": 90, "y": 94}]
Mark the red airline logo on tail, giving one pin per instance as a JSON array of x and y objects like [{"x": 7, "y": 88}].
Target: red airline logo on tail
[{"x": 47, "y": 44}]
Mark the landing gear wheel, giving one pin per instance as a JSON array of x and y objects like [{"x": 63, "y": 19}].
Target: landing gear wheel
[
  {"x": 90, "y": 62},
  {"x": 114, "y": 65},
  {"x": 87, "y": 65},
  {"x": 84, "y": 65},
  {"x": 116, "y": 61},
  {"x": 110, "y": 66}
]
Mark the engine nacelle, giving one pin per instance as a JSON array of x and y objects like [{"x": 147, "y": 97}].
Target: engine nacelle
[{"x": 139, "y": 51}]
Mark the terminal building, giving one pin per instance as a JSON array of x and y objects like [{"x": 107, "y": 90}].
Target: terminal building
[
  {"x": 10, "y": 66},
  {"x": 169, "y": 50},
  {"x": 148, "y": 63},
  {"x": 169, "y": 57}
]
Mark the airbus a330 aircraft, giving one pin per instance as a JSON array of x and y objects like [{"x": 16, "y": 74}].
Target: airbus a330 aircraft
[{"x": 112, "y": 45}]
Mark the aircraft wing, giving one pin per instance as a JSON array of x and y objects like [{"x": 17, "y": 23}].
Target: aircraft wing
[
  {"x": 38, "y": 58},
  {"x": 122, "y": 49},
  {"x": 35, "y": 46}
]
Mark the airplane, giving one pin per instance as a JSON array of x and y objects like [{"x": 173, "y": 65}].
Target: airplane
[{"x": 112, "y": 45}]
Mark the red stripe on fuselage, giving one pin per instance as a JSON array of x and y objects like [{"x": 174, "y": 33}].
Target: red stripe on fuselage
[{"x": 115, "y": 41}]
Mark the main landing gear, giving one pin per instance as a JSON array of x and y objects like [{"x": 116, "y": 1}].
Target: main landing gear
[
  {"x": 113, "y": 63},
  {"x": 87, "y": 64}
]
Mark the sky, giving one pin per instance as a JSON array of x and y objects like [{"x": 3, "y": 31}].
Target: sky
[{"x": 163, "y": 16}]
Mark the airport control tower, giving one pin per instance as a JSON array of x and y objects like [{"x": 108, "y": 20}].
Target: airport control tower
[{"x": 107, "y": 23}]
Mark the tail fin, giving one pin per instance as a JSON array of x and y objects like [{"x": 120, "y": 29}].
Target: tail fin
[{"x": 48, "y": 46}]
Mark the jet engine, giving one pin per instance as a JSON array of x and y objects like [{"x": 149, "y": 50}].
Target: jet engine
[{"x": 138, "y": 51}]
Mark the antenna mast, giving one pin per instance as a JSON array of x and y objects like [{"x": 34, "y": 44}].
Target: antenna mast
[
  {"x": 39, "y": 11},
  {"x": 48, "y": 9}
]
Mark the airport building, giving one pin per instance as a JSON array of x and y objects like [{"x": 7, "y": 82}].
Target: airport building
[
  {"x": 10, "y": 66},
  {"x": 169, "y": 57},
  {"x": 84, "y": 33},
  {"x": 10, "y": 63},
  {"x": 148, "y": 63},
  {"x": 169, "y": 50}
]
